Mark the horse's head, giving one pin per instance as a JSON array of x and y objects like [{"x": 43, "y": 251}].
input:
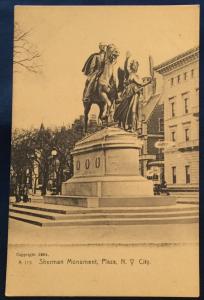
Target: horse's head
[{"x": 112, "y": 53}]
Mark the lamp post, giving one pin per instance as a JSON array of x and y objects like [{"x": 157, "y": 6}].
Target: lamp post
[
  {"x": 54, "y": 171},
  {"x": 27, "y": 178},
  {"x": 13, "y": 187},
  {"x": 58, "y": 179}
]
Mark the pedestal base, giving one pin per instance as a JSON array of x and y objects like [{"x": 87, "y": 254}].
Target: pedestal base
[
  {"x": 108, "y": 186},
  {"x": 106, "y": 173},
  {"x": 94, "y": 202}
]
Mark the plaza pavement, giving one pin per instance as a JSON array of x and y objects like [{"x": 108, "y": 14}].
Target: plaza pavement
[
  {"x": 24, "y": 233},
  {"x": 165, "y": 234},
  {"x": 171, "y": 251}
]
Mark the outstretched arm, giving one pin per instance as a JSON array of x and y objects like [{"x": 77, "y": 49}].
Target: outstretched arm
[{"x": 127, "y": 65}]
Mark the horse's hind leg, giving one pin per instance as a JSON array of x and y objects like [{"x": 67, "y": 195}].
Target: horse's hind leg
[{"x": 87, "y": 107}]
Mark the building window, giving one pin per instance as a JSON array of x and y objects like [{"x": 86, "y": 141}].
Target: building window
[
  {"x": 192, "y": 73},
  {"x": 188, "y": 176},
  {"x": 173, "y": 175},
  {"x": 172, "y": 81},
  {"x": 141, "y": 150},
  {"x": 173, "y": 109},
  {"x": 186, "y": 105},
  {"x": 185, "y": 75},
  {"x": 155, "y": 177},
  {"x": 173, "y": 136},
  {"x": 187, "y": 134},
  {"x": 179, "y": 78},
  {"x": 141, "y": 164},
  {"x": 186, "y": 102},
  {"x": 161, "y": 125}
]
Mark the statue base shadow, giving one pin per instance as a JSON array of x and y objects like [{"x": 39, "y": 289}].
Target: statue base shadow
[{"x": 106, "y": 174}]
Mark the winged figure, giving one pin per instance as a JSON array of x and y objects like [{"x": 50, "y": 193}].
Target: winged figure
[{"x": 128, "y": 113}]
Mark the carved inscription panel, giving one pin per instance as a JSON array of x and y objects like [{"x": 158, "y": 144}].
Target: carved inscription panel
[{"x": 89, "y": 164}]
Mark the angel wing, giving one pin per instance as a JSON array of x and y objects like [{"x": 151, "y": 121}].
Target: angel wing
[
  {"x": 151, "y": 70},
  {"x": 151, "y": 67},
  {"x": 121, "y": 79}
]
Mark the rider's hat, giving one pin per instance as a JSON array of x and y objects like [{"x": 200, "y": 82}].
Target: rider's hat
[{"x": 102, "y": 45}]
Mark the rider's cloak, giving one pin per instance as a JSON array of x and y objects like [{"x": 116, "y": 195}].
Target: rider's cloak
[{"x": 88, "y": 66}]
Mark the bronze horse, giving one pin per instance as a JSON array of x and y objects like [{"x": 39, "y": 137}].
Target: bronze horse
[{"x": 104, "y": 91}]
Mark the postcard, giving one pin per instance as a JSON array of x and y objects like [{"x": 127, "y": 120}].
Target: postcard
[{"x": 104, "y": 175}]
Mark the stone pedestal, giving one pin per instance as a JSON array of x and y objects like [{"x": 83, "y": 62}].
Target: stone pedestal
[
  {"x": 106, "y": 165},
  {"x": 106, "y": 172}
]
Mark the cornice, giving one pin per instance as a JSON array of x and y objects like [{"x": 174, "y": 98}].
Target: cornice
[{"x": 178, "y": 61}]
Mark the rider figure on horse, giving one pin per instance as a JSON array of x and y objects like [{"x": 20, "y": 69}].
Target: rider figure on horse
[
  {"x": 92, "y": 69},
  {"x": 100, "y": 87}
]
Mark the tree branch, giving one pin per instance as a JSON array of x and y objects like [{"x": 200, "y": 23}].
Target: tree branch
[{"x": 25, "y": 55}]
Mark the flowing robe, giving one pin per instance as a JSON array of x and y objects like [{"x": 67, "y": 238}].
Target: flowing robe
[{"x": 129, "y": 104}]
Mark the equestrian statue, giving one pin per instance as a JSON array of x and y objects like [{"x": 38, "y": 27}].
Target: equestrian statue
[{"x": 101, "y": 88}]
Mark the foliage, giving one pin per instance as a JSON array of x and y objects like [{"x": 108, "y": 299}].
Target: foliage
[
  {"x": 25, "y": 54},
  {"x": 34, "y": 147},
  {"x": 20, "y": 151}
]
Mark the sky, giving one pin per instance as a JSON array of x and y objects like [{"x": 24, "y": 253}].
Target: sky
[{"x": 66, "y": 36}]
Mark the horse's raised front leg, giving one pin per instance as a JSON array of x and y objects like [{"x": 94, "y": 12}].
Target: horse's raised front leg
[
  {"x": 107, "y": 106},
  {"x": 101, "y": 109},
  {"x": 103, "y": 119},
  {"x": 103, "y": 90}
]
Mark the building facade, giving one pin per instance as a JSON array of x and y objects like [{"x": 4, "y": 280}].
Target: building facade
[
  {"x": 151, "y": 158},
  {"x": 181, "y": 120}
]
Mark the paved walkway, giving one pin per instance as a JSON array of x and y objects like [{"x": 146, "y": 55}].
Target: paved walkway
[{"x": 24, "y": 233}]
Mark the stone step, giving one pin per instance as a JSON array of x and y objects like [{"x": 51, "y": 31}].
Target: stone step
[
  {"x": 38, "y": 213},
  {"x": 28, "y": 219},
  {"x": 187, "y": 201},
  {"x": 37, "y": 200},
  {"x": 135, "y": 215},
  {"x": 40, "y": 207},
  {"x": 116, "y": 221},
  {"x": 60, "y": 209},
  {"x": 186, "y": 195}
]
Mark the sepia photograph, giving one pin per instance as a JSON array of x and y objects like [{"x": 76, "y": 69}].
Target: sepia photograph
[{"x": 104, "y": 173}]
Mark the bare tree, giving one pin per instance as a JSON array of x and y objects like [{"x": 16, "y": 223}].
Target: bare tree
[{"x": 26, "y": 56}]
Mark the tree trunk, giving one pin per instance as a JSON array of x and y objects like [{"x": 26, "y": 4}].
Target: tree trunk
[{"x": 45, "y": 181}]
